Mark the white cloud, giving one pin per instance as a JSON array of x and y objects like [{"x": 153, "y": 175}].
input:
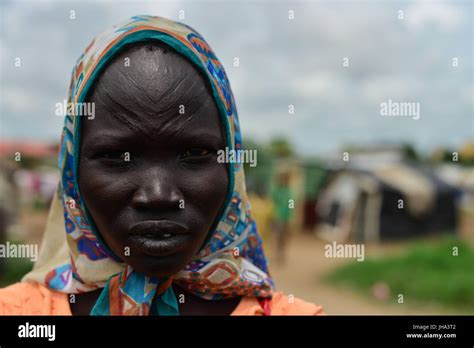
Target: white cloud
[{"x": 445, "y": 16}]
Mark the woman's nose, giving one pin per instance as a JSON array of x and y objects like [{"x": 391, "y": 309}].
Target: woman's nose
[{"x": 157, "y": 190}]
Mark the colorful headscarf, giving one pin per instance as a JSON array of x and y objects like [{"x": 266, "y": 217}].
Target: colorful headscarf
[{"x": 231, "y": 262}]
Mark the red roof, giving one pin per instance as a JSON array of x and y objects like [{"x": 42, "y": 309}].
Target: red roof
[{"x": 35, "y": 149}]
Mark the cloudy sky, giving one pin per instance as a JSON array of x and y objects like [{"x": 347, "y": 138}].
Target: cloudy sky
[{"x": 398, "y": 50}]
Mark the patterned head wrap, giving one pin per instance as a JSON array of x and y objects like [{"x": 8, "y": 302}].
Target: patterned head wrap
[{"x": 230, "y": 263}]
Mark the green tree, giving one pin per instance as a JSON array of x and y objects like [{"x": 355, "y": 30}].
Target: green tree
[{"x": 281, "y": 148}]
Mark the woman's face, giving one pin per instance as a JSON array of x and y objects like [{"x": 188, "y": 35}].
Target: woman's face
[{"x": 148, "y": 169}]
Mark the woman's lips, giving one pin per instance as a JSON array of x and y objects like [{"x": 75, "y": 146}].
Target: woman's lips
[{"x": 158, "y": 237}]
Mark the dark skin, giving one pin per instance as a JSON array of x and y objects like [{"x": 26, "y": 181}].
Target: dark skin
[{"x": 150, "y": 153}]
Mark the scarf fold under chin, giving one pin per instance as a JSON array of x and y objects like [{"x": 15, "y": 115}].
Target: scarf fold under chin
[{"x": 147, "y": 296}]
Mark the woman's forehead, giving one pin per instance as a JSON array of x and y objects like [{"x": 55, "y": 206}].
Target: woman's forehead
[
  {"x": 151, "y": 77},
  {"x": 152, "y": 90},
  {"x": 203, "y": 124}
]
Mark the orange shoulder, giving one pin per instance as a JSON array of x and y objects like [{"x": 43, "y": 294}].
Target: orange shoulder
[
  {"x": 289, "y": 305},
  {"x": 32, "y": 299},
  {"x": 280, "y": 305}
]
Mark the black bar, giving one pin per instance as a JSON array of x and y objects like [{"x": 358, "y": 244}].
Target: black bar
[{"x": 241, "y": 330}]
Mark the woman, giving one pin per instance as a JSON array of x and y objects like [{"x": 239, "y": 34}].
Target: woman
[{"x": 154, "y": 224}]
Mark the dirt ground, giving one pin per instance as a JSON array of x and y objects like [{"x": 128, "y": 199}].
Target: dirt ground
[{"x": 306, "y": 265}]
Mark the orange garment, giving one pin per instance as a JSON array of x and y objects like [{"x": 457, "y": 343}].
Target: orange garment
[{"x": 36, "y": 299}]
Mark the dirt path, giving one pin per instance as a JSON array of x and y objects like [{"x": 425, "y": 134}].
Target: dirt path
[{"x": 306, "y": 264}]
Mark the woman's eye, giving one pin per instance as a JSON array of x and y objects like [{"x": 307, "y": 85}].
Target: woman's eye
[
  {"x": 195, "y": 152},
  {"x": 115, "y": 156}
]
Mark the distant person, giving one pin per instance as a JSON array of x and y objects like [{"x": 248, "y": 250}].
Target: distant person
[
  {"x": 8, "y": 204},
  {"x": 281, "y": 196}
]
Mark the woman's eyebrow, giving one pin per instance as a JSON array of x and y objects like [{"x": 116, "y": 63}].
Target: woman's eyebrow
[{"x": 111, "y": 138}]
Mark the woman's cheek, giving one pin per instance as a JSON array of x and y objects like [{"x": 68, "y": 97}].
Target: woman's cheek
[
  {"x": 209, "y": 182},
  {"x": 104, "y": 194},
  {"x": 207, "y": 190}
]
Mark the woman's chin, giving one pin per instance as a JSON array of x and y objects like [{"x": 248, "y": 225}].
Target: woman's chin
[{"x": 158, "y": 266}]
